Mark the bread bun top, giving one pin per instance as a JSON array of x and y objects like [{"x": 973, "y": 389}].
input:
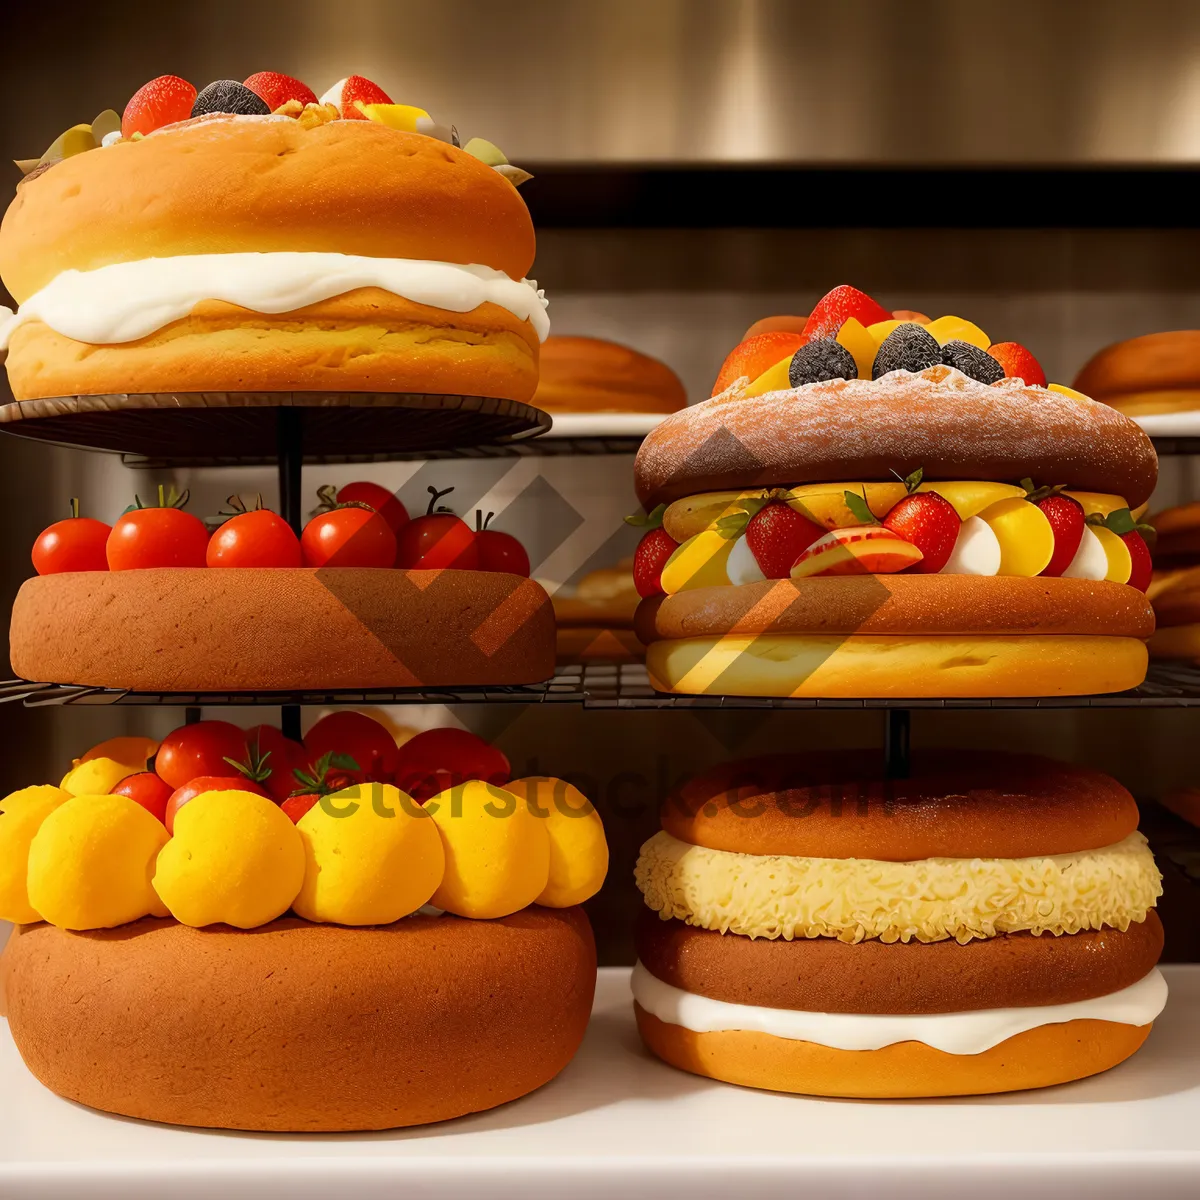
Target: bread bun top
[
  {"x": 584, "y": 374},
  {"x": 1157, "y": 361},
  {"x": 223, "y": 184},
  {"x": 938, "y": 420},
  {"x": 955, "y": 804}
]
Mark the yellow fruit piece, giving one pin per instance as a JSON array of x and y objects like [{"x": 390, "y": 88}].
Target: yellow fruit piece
[
  {"x": 970, "y": 498},
  {"x": 880, "y": 330},
  {"x": 123, "y": 750},
  {"x": 235, "y": 859},
  {"x": 825, "y": 503},
  {"x": 699, "y": 562},
  {"x": 955, "y": 329},
  {"x": 862, "y": 346},
  {"x": 578, "y": 848},
  {"x": 1097, "y": 502},
  {"x": 486, "y": 152},
  {"x": 91, "y": 862},
  {"x": 694, "y": 514},
  {"x": 1066, "y": 391},
  {"x": 23, "y": 814},
  {"x": 773, "y": 380},
  {"x": 372, "y": 855},
  {"x": 1025, "y": 537},
  {"x": 394, "y": 116},
  {"x": 1120, "y": 564},
  {"x": 97, "y": 776},
  {"x": 497, "y": 851}
]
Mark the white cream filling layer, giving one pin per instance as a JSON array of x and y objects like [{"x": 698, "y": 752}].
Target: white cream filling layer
[
  {"x": 126, "y": 301},
  {"x": 955, "y": 1033}
]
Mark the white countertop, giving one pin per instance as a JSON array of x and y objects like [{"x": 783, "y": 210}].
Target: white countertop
[{"x": 619, "y": 1123}]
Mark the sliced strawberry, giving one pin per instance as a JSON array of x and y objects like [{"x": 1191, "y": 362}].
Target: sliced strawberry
[
  {"x": 649, "y": 559},
  {"x": 929, "y": 522},
  {"x": 835, "y": 308},
  {"x": 756, "y": 355},
  {"x": 777, "y": 535},
  {"x": 1018, "y": 363},
  {"x": 162, "y": 101},
  {"x": 1139, "y": 554},
  {"x": 275, "y": 90},
  {"x": 354, "y": 89},
  {"x": 1066, "y": 519}
]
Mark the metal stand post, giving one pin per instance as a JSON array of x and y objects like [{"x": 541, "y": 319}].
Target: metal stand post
[
  {"x": 290, "y": 456},
  {"x": 895, "y": 742}
]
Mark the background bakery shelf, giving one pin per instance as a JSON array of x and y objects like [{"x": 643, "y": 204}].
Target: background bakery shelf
[{"x": 617, "y": 1122}]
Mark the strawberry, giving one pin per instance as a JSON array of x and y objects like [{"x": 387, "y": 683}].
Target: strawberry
[
  {"x": 835, "y": 308},
  {"x": 1066, "y": 520},
  {"x": 649, "y": 559},
  {"x": 162, "y": 101},
  {"x": 1018, "y": 363},
  {"x": 1139, "y": 554},
  {"x": 352, "y": 90},
  {"x": 756, "y": 355},
  {"x": 929, "y": 522},
  {"x": 777, "y": 535},
  {"x": 275, "y": 90}
]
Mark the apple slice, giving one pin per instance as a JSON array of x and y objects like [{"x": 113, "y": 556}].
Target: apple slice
[
  {"x": 976, "y": 552},
  {"x": 858, "y": 550},
  {"x": 1090, "y": 561},
  {"x": 702, "y": 561},
  {"x": 1025, "y": 537}
]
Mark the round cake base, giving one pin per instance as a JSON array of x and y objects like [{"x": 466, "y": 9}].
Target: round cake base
[{"x": 297, "y": 1027}]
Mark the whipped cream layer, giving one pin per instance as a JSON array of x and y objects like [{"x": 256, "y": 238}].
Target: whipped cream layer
[
  {"x": 126, "y": 301},
  {"x": 954, "y": 1033}
]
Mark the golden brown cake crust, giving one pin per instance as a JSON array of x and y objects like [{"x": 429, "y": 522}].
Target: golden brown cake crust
[
  {"x": 1016, "y": 970},
  {"x": 230, "y": 629},
  {"x": 1133, "y": 370},
  {"x": 297, "y": 1027},
  {"x": 584, "y": 374},
  {"x": 227, "y": 185},
  {"x": 955, "y": 804}
]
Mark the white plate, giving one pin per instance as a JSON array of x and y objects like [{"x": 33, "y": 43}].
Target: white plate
[
  {"x": 580, "y": 425},
  {"x": 1164, "y": 425}
]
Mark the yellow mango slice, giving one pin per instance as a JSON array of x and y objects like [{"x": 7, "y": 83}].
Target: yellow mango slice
[
  {"x": 97, "y": 776},
  {"x": 236, "y": 859},
  {"x": 91, "y": 861},
  {"x": 372, "y": 855},
  {"x": 578, "y": 847},
  {"x": 23, "y": 814},
  {"x": 773, "y": 380},
  {"x": 955, "y": 329},
  {"x": 969, "y": 497},
  {"x": 700, "y": 562},
  {"x": 694, "y": 514},
  {"x": 1066, "y": 391},
  {"x": 1097, "y": 502},
  {"x": 497, "y": 851},
  {"x": 862, "y": 346},
  {"x": 1025, "y": 537},
  {"x": 825, "y": 503},
  {"x": 394, "y": 116},
  {"x": 1120, "y": 564},
  {"x": 880, "y": 330}
]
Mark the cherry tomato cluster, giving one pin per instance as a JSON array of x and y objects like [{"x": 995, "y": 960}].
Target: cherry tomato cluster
[
  {"x": 341, "y": 749},
  {"x": 362, "y": 525}
]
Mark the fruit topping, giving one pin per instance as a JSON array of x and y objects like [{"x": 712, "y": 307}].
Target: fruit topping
[
  {"x": 820, "y": 361},
  {"x": 857, "y": 550},
  {"x": 781, "y": 324},
  {"x": 1063, "y": 390},
  {"x": 906, "y": 348},
  {"x": 499, "y": 551},
  {"x": 346, "y": 94},
  {"x": 96, "y": 776},
  {"x": 74, "y": 544},
  {"x": 1025, "y": 537},
  {"x": 741, "y": 566},
  {"x": 828, "y": 505},
  {"x": 406, "y": 117},
  {"x": 756, "y": 355},
  {"x": 955, "y": 329},
  {"x": 651, "y": 555},
  {"x": 1018, "y": 363},
  {"x": 777, "y": 535},
  {"x": 976, "y": 551},
  {"x": 1121, "y": 536},
  {"x": 862, "y": 346},
  {"x": 347, "y": 535},
  {"x": 22, "y": 815},
  {"x": 910, "y": 314},
  {"x": 1066, "y": 517},
  {"x": 275, "y": 90},
  {"x": 970, "y": 497},
  {"x": 930, "y": 523},
  {"x": 162, "y": 101},
  {"x": 148, "y": 790},
  {"x": 836, "y": 307},
  {"x": 971, "y": 361},
  {"x": 230, "y": 781},
  {"x": 201, "y": 748},
  {"x": 253, "y": 538},
  {"x": 162, "y": 536},
  {"x": 364, "y": 739},
  {"x": 437, "y": 759},
  {"x": 437, "y": 540},
  {"x": 229, "y": 96},
  {"x": 700, "y": 562}
]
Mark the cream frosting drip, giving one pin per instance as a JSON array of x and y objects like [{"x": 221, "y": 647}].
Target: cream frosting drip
[
  {"x": 930, "y": 900},
  {"x": 954, "y": 1033},
  {"x": 126, "y": 301}
]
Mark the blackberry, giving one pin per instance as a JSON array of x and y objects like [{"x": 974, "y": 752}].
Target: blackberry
[
  {"x": 906, "y": 348},
  {"x": 821, "y": 361},
  {"x": 229, "y": 96},
  {"x": 972, "y": 362}
]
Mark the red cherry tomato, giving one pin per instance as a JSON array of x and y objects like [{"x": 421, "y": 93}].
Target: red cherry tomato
[
  {"x": 437, "y": 541},
  {"x": 296, "y": 806},
  {"x": 76, "y": 544},
  {"x": 385, "y": 503},
  {"x": 156, "y": 537},
  {"x": 286, "y": 756},
  {"x": 199, "y": 749},
  {"x": 148, "y": 790},
  {"x": 355, "y": 734},
  {"x": 206, "y": 783},
  {"x": 441, "y": 758},
  {"x": 348, "y": 537},
  {"x": 501, "y": 552},
  {"x": 254, "y": 539}
]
